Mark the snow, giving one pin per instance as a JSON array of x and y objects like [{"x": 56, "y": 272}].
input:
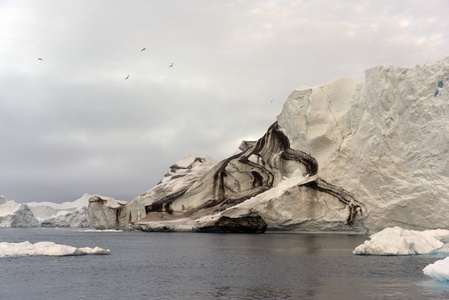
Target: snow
[
  {"x": 398, "y": 241},
  {"x": 46, "y": 248},
  {"x": 438, "y": 270}
]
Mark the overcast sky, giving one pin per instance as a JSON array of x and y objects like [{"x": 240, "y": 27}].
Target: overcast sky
[{"x": 71, "y": 124}]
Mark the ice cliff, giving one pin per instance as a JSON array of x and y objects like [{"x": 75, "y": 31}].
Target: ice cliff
[
  {"x": 345, "y": 156},
  {"x": 13, "y": 214},
  {"x": 67, "y": 214}
]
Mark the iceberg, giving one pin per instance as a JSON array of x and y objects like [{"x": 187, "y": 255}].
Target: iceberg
[
  {"x": 81, "y": 202},
  {"x": 399, "y": 241},
  {"x": 438, "y": 270},
  {"x": 343, "y": 156},
  {"x": 13, "y": 214},
  {"x": 72, "y": 214},
  {"x": 46, "y": 248},
  {"x": 107, "y": 216},
  {"x": 68, "y": 214},
  {"x": 76, "y": 218}
]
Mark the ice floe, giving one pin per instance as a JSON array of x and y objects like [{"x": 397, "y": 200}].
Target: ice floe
[
  {"x": 99, "y": 230},
  {"x": 46, "y": 248},
  {"x": 398, "y": 241}
]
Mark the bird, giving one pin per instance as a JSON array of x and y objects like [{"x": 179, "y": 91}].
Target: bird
[
  {"x": 127, "y": 77},
  {"x": 40, "y": 59},
  {"x": 143, "y": 49},
  {"x": 170, "y": 66}
]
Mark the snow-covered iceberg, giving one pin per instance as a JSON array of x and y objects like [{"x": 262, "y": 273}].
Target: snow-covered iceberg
[
  {"x": 46, "y": 248},
  {"x": 438, "y": 270},
  {"x": 399, "y": 241},
  {"x": 344, "y": 156},
  {"x": 13, "y": 214}
]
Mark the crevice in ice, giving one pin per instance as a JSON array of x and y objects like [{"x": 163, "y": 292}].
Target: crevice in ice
[{"x": 329, "y": 105}]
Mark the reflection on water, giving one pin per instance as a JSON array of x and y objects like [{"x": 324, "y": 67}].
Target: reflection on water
[
  {"x": 433, "y": 287},
  {"x": 311, "y": 244},
  {"x": 213, "y": 266}
]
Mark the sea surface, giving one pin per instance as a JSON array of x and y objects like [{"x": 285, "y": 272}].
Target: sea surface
[{"x": 211, "y": 266}]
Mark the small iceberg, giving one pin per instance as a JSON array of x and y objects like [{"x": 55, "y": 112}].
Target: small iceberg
[
  {"x": 438, "y": 270},
  {"x": 398, "y": 241},
  {"x": 46, "y": 248}
]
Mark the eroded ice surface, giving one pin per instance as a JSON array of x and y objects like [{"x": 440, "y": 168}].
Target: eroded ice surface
[
  {"x": 46, "y": 248},
  {"x": 398, "y": 241}
]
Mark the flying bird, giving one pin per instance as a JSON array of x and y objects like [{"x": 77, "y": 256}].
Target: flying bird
[
  {"x": 127, "y": 77},
  {"x": 40, "y": 59},
  {"x": 171, "y": 66},
  {"x": 143, "y": 49}
]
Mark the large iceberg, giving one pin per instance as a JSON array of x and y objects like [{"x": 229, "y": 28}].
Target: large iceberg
[
  {"x": 344, "y": 156},
  {"x": 13, "y": 214},
  {"x": 46, "y": 248}
]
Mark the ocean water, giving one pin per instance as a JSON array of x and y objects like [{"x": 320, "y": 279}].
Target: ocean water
[{"x": 212, "y": 266}]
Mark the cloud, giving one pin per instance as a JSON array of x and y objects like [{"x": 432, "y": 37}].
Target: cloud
[{"x": 72, "y": 124}]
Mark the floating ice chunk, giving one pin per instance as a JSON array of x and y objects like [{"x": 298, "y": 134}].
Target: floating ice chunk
[
  {"x": 398, "y": 241},
  {"x": 96, "y": 250},
  {"x": 46, "y": 248},
  {"x": 101, "y": 230},
  {"x": 438, "y": 270}
]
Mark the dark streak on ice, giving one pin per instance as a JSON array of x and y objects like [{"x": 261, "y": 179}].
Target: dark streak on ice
[
  {"x": 237, "y": 179},
  {"x": 253, "y": 161}
]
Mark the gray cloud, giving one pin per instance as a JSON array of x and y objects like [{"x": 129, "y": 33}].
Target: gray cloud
[{"x": 72, "y": 124}]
